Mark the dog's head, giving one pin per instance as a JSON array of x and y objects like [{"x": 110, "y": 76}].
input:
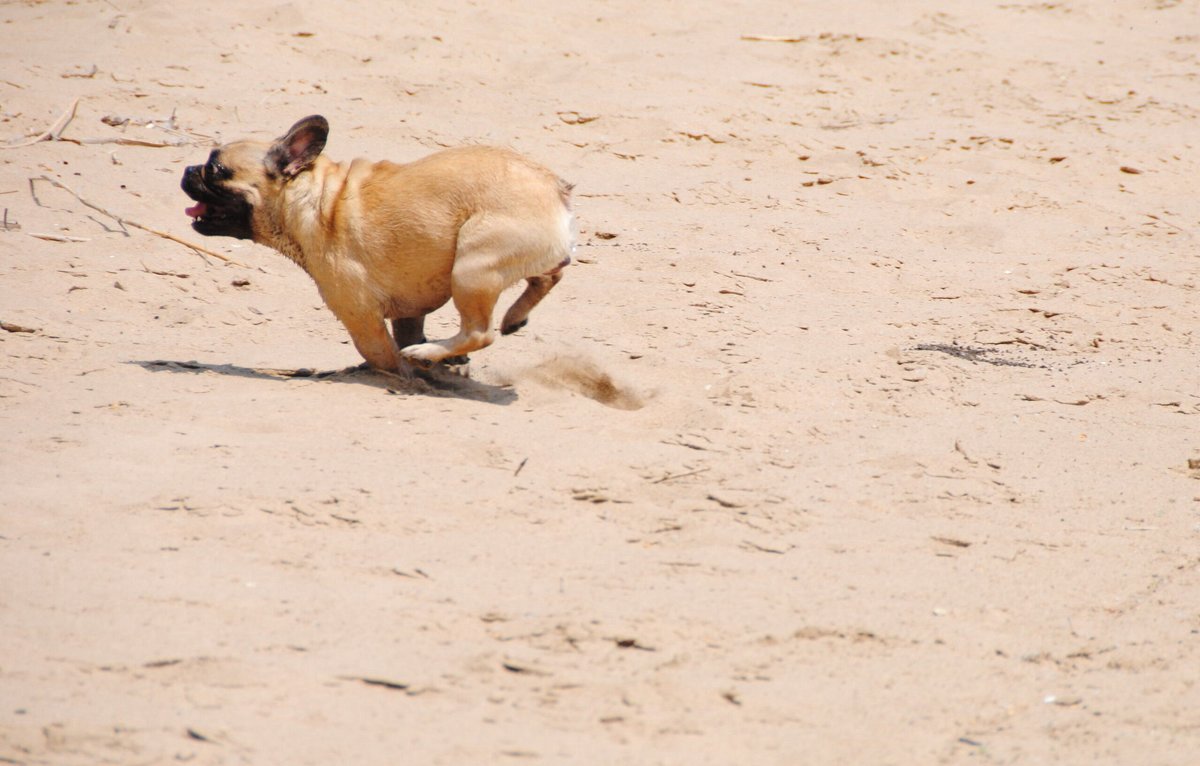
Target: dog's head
[{"x": 244, "y": 176}]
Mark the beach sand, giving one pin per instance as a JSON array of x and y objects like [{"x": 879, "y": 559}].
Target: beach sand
[{"x": 859, "y": 431}]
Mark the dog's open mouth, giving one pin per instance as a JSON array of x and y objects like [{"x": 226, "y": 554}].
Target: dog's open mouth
[
  {"x": 226, "y": 218},
  {"x": 217, "y": 212}
]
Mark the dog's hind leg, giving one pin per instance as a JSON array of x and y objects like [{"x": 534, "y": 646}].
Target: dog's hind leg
[
  {"x": 474, "y": 287},
  {"x": 411, "y": 330},
  {"x": 536, "y": 288}
]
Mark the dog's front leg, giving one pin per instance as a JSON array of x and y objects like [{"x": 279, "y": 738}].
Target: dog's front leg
[{"x": 371, "y": 338}]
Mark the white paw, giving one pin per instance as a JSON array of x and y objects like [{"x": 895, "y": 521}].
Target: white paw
[{"x": 424, "y": 354}]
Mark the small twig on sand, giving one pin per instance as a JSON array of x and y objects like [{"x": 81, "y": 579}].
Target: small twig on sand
[
  {"x": 1168, "y": 223},
  {"x": 56, "y": 237},
  {"x": 126, "y": 222},
  {"x": 122, "y": 141},
  {"x": 53, "y": 134},
  {"x": 118, "y": 121},
  {"x": 670, "y": 476},
  {"x": 774, "y": 38}
]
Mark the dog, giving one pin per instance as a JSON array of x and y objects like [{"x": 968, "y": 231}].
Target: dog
[{"x": 386, "y": 241}]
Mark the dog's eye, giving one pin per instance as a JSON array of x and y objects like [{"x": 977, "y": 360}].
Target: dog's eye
[{"x": 214, "y": 169}]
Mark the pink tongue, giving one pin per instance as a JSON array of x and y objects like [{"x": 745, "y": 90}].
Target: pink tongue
[{"x": 197, "y": 210}]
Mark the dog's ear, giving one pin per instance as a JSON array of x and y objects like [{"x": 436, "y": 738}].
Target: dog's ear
[{"x": 297, "y": 150}]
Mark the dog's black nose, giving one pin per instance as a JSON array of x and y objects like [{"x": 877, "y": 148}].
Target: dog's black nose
[{"x": 190, "y": 174}]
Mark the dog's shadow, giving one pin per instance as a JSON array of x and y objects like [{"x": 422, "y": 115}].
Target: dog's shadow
[{"x": 437, "y": 381}]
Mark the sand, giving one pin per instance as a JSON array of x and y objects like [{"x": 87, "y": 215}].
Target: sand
[{"x": 859, "y": 432}]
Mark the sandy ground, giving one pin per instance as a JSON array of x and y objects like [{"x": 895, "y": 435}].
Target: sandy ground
[{"x": 858, "y": 433}]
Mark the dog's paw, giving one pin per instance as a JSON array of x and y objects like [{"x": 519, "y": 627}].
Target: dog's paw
[
  {"x": 511, "y": 328},
  {"x": 423, "y": 355}
]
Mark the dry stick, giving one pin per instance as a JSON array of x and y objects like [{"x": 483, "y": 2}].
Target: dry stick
[
  {"x": 774, "y": 38},
  {"x": 669, "y": 476},
  {"x": 134, "y": 224},
  {"x": 53, "y": 133},
  {"x": 1168, "y": 223},
  {"x": 122, "y": 141},
  {"x": 57, "y": 237}
]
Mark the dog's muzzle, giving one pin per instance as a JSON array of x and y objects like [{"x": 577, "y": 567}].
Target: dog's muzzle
[{"x": 217, "y": 212}]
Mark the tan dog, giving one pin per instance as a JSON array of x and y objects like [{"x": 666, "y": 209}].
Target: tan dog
[{"x": 386, "y": 241}]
